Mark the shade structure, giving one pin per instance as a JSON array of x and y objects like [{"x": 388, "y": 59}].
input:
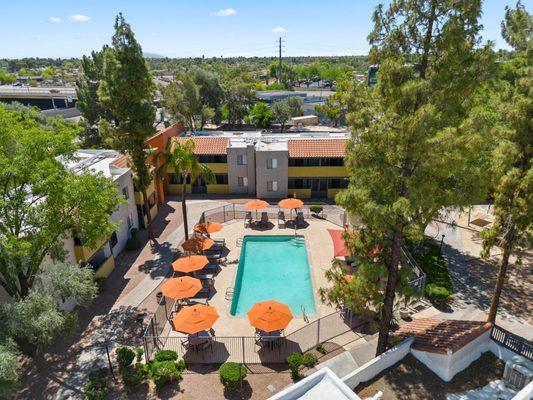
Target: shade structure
[
  {"x": 198, "y": 244},
  {"x": 208, "y": 227},
  {"x": 291, "y": 203},
  {"x": 339, "y": 249},
  {"x": 190, "y": 263},
  {"x": 270, "y": 315},
  {"x": 181, "y": 288},
  {"x": 256, "y": 204},
  {"x": 195, "y": 319}
]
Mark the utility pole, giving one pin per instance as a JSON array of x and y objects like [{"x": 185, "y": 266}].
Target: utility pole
[{"x": 279, "y": 63}]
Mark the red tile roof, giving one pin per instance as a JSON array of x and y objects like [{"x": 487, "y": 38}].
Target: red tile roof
[
  {"x": 207, "y": 145},
  {"x": 120, "y": 162},
  {"x": 438, "y": 335},
  {"x": 303, "y": 148}
]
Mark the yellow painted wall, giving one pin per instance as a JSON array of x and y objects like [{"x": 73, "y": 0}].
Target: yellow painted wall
[
  {"x": 139, "y": 195},
  {"x": 317, "y": 172},
  {"x": 217, "y": 189},
  {"x": 300, "y": 193},
  {"x": 84, "y": 253},
  {"x": 105, "y": 270},
  {"x": 153, "y": 213},
  {"x": 217, "y": 168},
  {"x": 176, "y": 189},
  {"x": 332, "y": 193}
]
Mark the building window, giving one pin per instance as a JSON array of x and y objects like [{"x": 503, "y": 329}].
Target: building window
[
  {"x": 272, "y": 163},
  {"x": 316, "y": 162},
  {"x": 272, "y": 186},
  {"x": 177, "y": 179},
  {"x": 221, "y": 179},
  {"x": 299, "y": 183},
  {"x": 242, "y": 181},
  {"x": 241, "y": 159},
  {"x": 338, "y": 183},
  {"x": 126, "y": 192},
  {"x": 212, "y": 158},
  {"x": 113, "y": 240}
]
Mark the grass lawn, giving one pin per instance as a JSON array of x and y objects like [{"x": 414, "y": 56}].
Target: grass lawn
[{"x": 428, "y": 257}]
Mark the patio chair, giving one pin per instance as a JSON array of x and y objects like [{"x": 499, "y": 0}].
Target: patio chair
[
  {"x": 210, "y": 268},
  {"x": 300, "y": 221},
  {"x": 248, "y": 219},
  {"x": 197, "y": 300},
  {"x": 281, "y": 219},
  {"x": 264, "y": 218},
  {"x": 220, "y": 242},
  {"x": 204, "y": 276}
]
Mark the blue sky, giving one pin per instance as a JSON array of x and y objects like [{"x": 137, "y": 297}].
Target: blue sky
[{"x": 178, "y": 28}]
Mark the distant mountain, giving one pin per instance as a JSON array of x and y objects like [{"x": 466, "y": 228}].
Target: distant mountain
[{"x": 153, "y": 55}]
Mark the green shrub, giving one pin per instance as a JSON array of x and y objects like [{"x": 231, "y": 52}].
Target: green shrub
[
  {"x": 229, "y": 374},
  {"x": 139, "y": 354},
  {"x": 320, "y": 348},
  {"x": 166, "y": 355},
  {"x": 132, "y": 376},
  {"x": 181, "y": 365},
  {"x": 96, "y": 387},
  {"x": 296, "y": 360},
  {"x": 316, "y": 209},
  {"x": 309, "y": 360},
  {"x": 164, "y": 372},
  {"x": 437, "y": 293},
  {"x": 125, "y": 356}
]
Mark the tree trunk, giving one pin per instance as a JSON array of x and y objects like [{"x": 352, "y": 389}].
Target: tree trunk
[
  {"x": 507, "y": 248},
  {"x": 184, "y": 208},
  {"x": 427, "y": 42},
  {"x": 388, "y": 304},
  {"x": 147, "y": 212},
  {"x": 282, "y": 127}
]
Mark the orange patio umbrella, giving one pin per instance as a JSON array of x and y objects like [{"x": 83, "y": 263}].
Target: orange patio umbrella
[
  {"x": 190, "y": 263},
  {"x": 291, "y": 203},
  {"x": 195, "y": 319},
  {"x": 270, "y": 315},
  {"x": 198, "y": 244},
  {"x": 208, "y": 227},
  {"x": 182, "y": 287},
  {"x": 348, "y": 278},
  {"x": 256, "y": 205}
]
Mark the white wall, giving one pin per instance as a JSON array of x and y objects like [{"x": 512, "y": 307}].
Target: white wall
[
  {"x": 446, "y": 366},
  {"x": 369, "y": 370},
  {"x": 526, "y": 393}
]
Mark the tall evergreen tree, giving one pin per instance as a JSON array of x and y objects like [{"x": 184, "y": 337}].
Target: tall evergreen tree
[
  {"x": 126, "y": 93},
  {"x": 511, "y": 101},
  {"x": 409, "y": 157}
]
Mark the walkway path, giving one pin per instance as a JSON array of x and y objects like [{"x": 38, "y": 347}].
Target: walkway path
[
  {"x": 473, "y": 278},
  {"x": 156, "y": 261}
]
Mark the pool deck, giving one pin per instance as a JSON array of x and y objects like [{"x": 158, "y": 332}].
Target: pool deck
[{"x": 320, "y": 252}]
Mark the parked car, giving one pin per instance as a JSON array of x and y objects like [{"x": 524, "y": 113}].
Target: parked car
[
  {"x": 55, "y": 91},
  {"x": 17, "y": 84}
]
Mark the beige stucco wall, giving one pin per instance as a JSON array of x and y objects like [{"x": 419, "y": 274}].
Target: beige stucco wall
[
  {"x": 235, "y": 171},
  {"x": 279, "y": 174}
]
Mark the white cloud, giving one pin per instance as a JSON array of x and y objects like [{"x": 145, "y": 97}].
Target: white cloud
[
  {"x": 54, "y": 20},
  {"x": 279, "y": 29},
  {"x": 227, "y": 12},
  {"x": 79, "y": 18}
]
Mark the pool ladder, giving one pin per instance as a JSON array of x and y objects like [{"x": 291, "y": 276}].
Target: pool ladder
[{"x": 229, "y": 293}]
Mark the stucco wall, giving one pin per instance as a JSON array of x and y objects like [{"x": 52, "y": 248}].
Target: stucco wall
[
  {"x": 369, "y": 370},
  {"x": 121, "y": 215},
  {"x": 235, "y": 170},
  {"x": 279, "y": 174},
  {"x": 446, "y": 366}
]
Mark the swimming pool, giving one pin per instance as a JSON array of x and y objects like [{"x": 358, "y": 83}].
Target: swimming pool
[{"x": 273, "y": 268}]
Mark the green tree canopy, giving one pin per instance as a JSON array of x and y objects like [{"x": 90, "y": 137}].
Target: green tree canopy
[
  {"x": 41, "y": 201},
  {"x": 260, "y": 115},
  {"x": 126, "y": 93},
  {"x": 409, "y": 157}
]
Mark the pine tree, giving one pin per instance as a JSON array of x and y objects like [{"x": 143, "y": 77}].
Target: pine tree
[
  {"x": 126, "y": 93},
  {"x": 410, "y": 157},
  {"x": 511, "y": 100}
]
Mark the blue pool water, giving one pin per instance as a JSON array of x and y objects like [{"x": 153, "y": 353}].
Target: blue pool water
[{"x": 273, "y": 268}]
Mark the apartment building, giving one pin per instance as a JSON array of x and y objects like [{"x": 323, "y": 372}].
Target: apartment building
[
  {"x": 266, "y": 165},
  {"x": 101, "y": 257}
]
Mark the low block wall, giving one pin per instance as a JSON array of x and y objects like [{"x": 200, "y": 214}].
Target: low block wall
[{"x": 369, "y": 370}]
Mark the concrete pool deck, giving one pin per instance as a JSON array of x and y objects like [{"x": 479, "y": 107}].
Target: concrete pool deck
[{"x": 320, "y": 252}]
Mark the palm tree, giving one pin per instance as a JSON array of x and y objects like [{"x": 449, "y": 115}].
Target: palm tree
[{"x": 181, "y": 159}]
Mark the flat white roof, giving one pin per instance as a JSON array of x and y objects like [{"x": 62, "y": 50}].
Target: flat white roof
[
  {"x": 272, "y": 145},
  {"x": 97, "y": 161},
  {"x": 321, "y": 385}
]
